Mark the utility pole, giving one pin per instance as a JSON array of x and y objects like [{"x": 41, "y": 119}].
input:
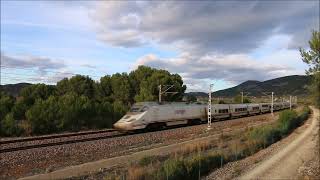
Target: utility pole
[
  {"x": 209, "y": 107},
  {"x": 165, "y": 91},
  {"x": 242, "y": 97},
  {"x": 272, "y": 103},
  {"x": 243, "y": 94},
  {"x": 290, "y": 103},
  {"x": 160, "y": 93},
  {"x": 271, "y": 109}
]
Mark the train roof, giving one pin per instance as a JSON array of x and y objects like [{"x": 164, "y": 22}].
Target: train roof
[{"x": 153, "y": 103}]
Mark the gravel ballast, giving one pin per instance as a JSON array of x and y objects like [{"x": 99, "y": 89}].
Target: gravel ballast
[{"x": 33, "y": 161}]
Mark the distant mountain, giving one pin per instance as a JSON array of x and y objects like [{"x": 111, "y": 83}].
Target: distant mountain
[
  {"x": 14, "y": 89},
  {"x": 295, "y": 85}
]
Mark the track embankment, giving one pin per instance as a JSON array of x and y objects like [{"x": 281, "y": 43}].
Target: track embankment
[
  {"x": 293, "y": 157},
  {"x": 286, "y": 163},
  {"x": 96, "y": 166}
]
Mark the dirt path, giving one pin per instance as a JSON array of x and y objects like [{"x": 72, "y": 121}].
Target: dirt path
[{"x": 285, "y": 164}]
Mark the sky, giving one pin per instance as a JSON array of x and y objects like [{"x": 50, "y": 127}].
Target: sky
[{"x": 219, "y": 42}]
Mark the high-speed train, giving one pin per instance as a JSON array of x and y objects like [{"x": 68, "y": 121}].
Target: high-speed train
[{"x": 152, "y": 115}]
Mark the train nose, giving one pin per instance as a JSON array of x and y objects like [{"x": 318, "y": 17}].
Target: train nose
[
  {"x": 118, "y": 125},
  {"x": 122, "y": 126}
]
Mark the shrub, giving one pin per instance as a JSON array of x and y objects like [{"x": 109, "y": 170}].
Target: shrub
[
  {"x": 188, "y": 168},
  {"x": 146, "y": 160},
  {"x": 174, "y": 169},
  {"x": 9, "y": 126},
  {"x": 287, "y": 121}
]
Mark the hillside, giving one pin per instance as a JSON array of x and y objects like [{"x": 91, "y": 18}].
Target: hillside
[
  {"x": 13, "y": 89},
  {"x": 295, "y": 85}
]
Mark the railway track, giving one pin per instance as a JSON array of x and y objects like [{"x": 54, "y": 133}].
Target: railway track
[
  {"x": 22, "y": 143},
  {"x": 53, "y": 136},
  {"x": 19, "y": 144}
]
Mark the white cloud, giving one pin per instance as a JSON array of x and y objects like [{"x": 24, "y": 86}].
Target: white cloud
[
  {"x": 234, "y": 68},
  {"x": 202, "y": 27},
  {"x": 33, "y": 69},
  {"x": 42, "y": 64}
]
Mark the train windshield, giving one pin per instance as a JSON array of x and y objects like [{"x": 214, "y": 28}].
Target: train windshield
[
  {"x": 145, "y": 108},
  {"x": 135, "y": 108}
]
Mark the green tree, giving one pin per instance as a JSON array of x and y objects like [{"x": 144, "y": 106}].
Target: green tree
[
  {"x": 19, "y": 109},
  {"x": 36, "y": 91},
  {"x": 149, "y": 88},
  {"x": 6, "y": 103},
  {"x": 119, "y": 109},
  {"x": 104, "y": 88},
  {"x": 139, "y": 75},
  {"x": 9, "y": 126},
  {"x": 44, "y": 116},
  {"x": 104, "y": 115},
  {"x": 75, "y": 111},
  {"x": 312, "y": 58},
  {"x": 121, "y": 88},
  {"x": 81, "y": 85}
]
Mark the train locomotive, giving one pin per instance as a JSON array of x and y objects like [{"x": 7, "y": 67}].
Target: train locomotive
[{"x": 152, "y": 115}]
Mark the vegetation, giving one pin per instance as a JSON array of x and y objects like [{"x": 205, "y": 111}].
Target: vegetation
[
  {"x": 81, "y": 103},
  {"x": 312, "y": 58},
  {"x": 191, "y": 98},
  {"x": 195, "y": 160},
  {"x": 238, "y": 99}
]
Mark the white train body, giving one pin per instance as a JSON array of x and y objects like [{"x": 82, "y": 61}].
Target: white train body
[
  {"x": 238, "y": 110},
  {"x": 154, "y": 115},
  {"x": 265, "y": 107},
  {"x": 253, "y": 108},
  {"x": 219, "y": 111},
  {"x": 146, "y": 114},
  {"x": 277, "y": 106}
]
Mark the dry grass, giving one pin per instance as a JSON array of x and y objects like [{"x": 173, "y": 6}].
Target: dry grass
[
  {"x": 191, "y": 148},
  {"x": 136, "y": 173}
]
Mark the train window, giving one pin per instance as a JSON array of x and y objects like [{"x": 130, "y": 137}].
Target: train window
[
  {"x": 223, "y": 110},
  {"x": 255, "y": 108},
  {"x": 240, "y": 109},
  {"x": 145, "y": 108}
]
